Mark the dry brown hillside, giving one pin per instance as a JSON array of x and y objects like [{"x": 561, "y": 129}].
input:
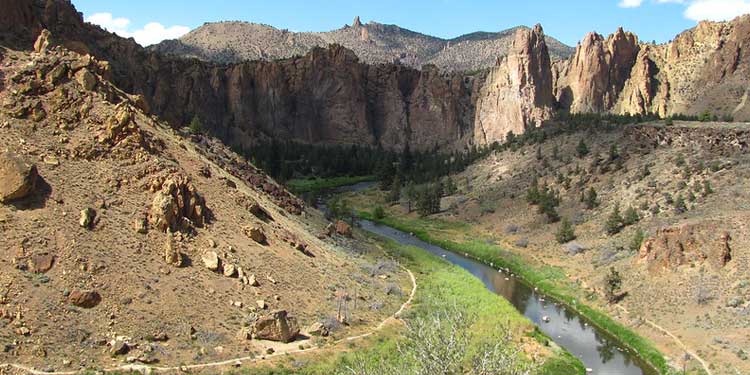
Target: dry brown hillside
[
  {"x": 374, "y": 43},
  {"x": 689, "y": 185},
  {"x": 125, "y": 241}
]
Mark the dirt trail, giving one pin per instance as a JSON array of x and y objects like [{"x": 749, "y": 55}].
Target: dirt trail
[
  {"x": 145, "y": 369},
  {"x": 677, "y": 340}
]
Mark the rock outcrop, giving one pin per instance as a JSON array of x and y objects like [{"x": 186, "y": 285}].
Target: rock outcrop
[
  {"x": 518, "y": 92},
  {"x": 690, "y": 243},
  {"x": 176, "y": 205},
  {"x": 596, "y": 74}
]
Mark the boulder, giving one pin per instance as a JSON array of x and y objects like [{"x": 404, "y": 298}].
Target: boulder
[
  {"x": 317, "y": 329},
  {"x": 343, "y": 228},
  {"x": 41, "y": 263},
  {"x": 17, "y": 177},
  {"x": 574, "y": 248},
  {"x": 88, "y": 215},
  {"x": 330, "y": 229},
  {"x": 119, "y": 347},
  {"x": 230, "y": 270},
  {"x": 277, "y": 326},
  {"x": 84, "y": 298},
  {"x": 253, "y": 281},
  {"x": 256, "y": 234},
  {"x": 86, "y": 79},
  {"x": 211, "y": 260},
  {"x": 42, "y": 41},
  {"x": 172, "y": 254}
]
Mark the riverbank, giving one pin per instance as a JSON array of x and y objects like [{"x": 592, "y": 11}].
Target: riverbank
[
  {"x": 551, "y": 281},
  {"x": 307, "y": 185},
  {"x": 442, "y": 289}
]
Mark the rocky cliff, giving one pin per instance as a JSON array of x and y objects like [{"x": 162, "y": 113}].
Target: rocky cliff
[
  {"x": 330, "y": 96},
  {"x": 518, "y": 91}
]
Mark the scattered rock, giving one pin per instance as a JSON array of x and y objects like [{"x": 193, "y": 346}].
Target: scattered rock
[
  {"x": 277, "y": 326},
  {"x": 41, "y": 263},
  {"x": 17, "y": 177},
  {"x": 86, "y": 79},
  {"x": 172, "y": 254},
  {"x": 318, "y": 329},
  {"x": 574, "y": 248},
  {"x": 230, "y": 270},
  {"x": 343, "y": 228},
  {"x": 245, "y": 333},
  {"x": 261, "y": 304},
  {"x": 256, "y": 234},
  {"x": 735, "y": 302},
  {"x": 87, "y": 218},
  {"x": 211, "y": 260},
  {"x": 119, "y": 347},
  {"x": 140, "y": 225},
  {"x": 84, "y": 298},
  {"x": 253, "y": 281}
]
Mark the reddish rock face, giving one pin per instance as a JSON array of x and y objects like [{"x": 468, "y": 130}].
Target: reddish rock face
[
  {"x": 677, "y": 246},
  {"x": 594, "y": 77},
  {"x": 518, "y": 92}
]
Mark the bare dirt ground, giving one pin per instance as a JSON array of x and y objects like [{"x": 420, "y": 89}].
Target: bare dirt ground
[{"x": 95, "y": 149}]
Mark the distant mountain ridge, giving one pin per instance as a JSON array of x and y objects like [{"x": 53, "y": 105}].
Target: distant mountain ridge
[{"x": 374, "y": 43}]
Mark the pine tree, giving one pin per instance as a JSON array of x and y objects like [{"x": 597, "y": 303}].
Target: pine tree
[
  {"x": 614, "y": 221},
  {"x": 196, "y": 125},
  {"x": 637, "y": 240},
  {"x": 566, "y": 232},
  {"x": 613, "y": 282},
  {"x": 395, "y": 194},
  {"x": 591, "y": 199},
  {"x": 582, "y": 149}
]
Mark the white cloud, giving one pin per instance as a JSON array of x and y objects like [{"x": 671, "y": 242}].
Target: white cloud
[
  {"x": 152, "y": 33},
  {"x": 716, "y": 10},
  {"x": 630, "y": 3},
  {"x": 700, "y": 10}
]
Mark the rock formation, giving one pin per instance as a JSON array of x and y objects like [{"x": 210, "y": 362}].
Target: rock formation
[
  {"x": 277, "y": 326},
  {"x": 596, "y": 74},
  {"x": 690, "y": 243},
  {"x": 518, "y": 92}
]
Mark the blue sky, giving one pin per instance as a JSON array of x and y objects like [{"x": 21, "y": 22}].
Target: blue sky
[{"x": 660, "y": 20}]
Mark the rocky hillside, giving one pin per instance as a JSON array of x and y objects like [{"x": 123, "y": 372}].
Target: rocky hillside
[
  {"x": 373, "y": 43},
  {"x": 126, "y": 241}
]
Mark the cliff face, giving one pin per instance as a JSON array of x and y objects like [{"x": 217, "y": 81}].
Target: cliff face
[
  {"x": 330, "y": 96},
  {"x": 596, "y": 74},
  {"x": 518, "y": 92}
]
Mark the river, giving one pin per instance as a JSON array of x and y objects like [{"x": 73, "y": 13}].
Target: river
[{"x": 598, "y": 351}]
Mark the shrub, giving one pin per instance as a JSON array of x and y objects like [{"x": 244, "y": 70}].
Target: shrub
[
  {"x": 591, "y": 199},
  {"x": 631, "y": 216},
  {"x": 566, "y": 232},
  {"x": 379, "y": 213},
  {"x": 679, "y": 205},
  {"x": 668, "y": 121},
  {"x": 637, "y": 240},
  {"x": 196, "y": 125}
]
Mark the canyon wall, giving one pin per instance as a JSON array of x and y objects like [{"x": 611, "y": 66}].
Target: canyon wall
[{"x": 329, "y": 96}]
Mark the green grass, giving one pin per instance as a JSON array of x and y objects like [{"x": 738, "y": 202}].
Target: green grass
[
  {"x": 304, "y": 185},
  {"x": 441, "y": 284},
  {"x": 550, "y": 280}
]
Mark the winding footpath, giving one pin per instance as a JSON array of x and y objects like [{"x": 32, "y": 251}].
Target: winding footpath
[{"x": 145, "y": 369}]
